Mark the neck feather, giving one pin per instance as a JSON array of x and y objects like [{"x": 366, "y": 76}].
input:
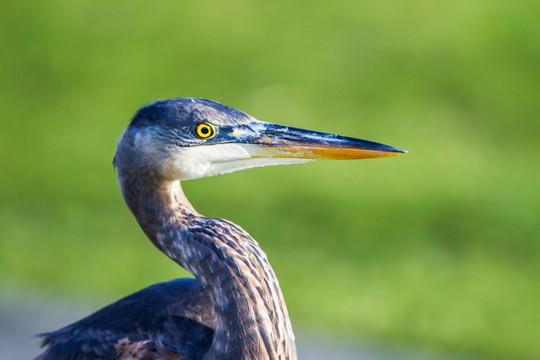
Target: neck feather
[{"x": 251, "y": 319}]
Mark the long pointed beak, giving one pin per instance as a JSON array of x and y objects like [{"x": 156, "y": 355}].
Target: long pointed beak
[{"x": 289, "y": 142}]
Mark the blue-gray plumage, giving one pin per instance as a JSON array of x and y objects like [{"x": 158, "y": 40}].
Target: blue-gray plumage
[{"x": 234, "y": 308}]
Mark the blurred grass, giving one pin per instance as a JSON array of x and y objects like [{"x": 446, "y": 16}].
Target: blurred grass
[{"x": 439, "y": 248}]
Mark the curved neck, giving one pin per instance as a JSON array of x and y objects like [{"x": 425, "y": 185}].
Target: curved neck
[{"x": 250, "y": 316}]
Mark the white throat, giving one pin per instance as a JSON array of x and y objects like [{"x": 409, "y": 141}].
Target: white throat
[{"x": 202, "y": 161}]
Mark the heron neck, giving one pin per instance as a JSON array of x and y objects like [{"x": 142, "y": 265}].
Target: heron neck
[{"x": 250, "y": 316}]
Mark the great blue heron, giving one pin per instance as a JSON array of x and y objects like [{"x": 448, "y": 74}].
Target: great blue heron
[{"x": 234, "y": 308}]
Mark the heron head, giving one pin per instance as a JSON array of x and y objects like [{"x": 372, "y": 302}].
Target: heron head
[{"x": 188, "y": 138}]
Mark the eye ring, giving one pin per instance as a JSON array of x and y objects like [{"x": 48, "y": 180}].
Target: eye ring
[{"x": 204, "y": 130}]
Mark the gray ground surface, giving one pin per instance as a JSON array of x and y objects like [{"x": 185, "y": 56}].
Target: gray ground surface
[{"x": 24, "y": 313}]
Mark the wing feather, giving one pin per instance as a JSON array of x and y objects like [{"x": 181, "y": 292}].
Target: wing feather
[{"x": 172, "y": 320}]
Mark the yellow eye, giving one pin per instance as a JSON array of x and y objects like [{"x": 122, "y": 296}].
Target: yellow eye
[{"x": 204, "y": 130}]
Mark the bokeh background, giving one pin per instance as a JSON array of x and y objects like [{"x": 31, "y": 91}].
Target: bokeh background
[{"x": 438, "y": 249}]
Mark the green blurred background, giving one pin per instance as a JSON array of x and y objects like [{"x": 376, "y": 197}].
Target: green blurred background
[{"x": 436, "y": 249}]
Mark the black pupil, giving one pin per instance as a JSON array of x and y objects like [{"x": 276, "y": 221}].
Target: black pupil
[{"x": 205, "y": 130}]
